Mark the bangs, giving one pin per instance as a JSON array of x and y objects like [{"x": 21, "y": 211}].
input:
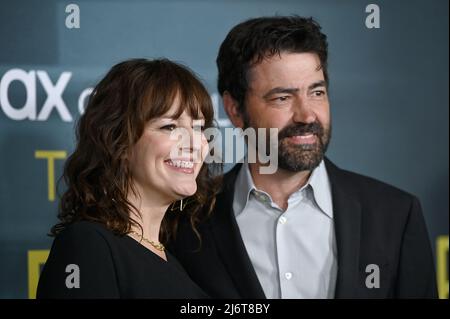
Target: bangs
[{"x": 172, "y": 83}]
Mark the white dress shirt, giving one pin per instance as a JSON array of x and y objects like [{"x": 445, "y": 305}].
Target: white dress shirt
[{"x": 293, "y": 251}]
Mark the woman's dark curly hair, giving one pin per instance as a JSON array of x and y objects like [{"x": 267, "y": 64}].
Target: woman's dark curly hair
[{"x": 97, "y": 174}]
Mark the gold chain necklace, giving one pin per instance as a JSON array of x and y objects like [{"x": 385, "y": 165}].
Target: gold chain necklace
[{"x": 157, "y": 246}]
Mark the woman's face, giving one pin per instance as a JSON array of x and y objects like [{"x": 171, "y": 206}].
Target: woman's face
[{"x": 168, "y": 156}]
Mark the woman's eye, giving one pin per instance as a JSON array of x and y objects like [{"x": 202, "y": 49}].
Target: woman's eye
[
  {"x": 199, "y": 128},
  {"x": 169, "y": 127}
]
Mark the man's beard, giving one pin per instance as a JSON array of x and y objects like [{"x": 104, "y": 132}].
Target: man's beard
[
  {"x": 299, "y": 157},
  {"x": 302, "y": 157}
]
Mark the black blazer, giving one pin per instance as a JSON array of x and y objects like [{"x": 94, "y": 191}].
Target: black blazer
[{"x": 374, "y": 224}]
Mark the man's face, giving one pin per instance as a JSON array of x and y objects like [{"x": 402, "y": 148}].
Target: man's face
[{"x": 289, "y": 92}]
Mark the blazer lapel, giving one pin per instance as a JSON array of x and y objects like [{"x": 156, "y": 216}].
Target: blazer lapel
[
  {"x": 347, "y": 216},
  {"x": 230, "y": 244}
]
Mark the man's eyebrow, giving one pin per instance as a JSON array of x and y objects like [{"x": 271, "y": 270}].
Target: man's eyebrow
[
  {"x": 317, "y": 84},
  {"x": 280, "y": 90},
  {"x": 288, "y": 90}
]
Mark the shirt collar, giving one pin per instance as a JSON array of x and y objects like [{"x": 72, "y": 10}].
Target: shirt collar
[
  {"x": 318, "y": 182},
  {"x": 243, "y": 187},
  {"x": 321, "y": 187}
]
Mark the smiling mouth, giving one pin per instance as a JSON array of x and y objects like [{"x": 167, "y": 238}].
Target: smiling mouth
[
  {"x": 308, "y": 138},
  {"x": 181, "y": 166}
]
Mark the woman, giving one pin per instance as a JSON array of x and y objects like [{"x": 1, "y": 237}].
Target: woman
[{"x": 122, "y": 178}]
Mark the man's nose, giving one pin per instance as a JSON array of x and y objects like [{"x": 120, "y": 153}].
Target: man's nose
[{"x": 302, "y": 112}]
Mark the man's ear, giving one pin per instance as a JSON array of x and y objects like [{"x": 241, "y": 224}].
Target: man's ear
[{"x": 231, "y": 107}]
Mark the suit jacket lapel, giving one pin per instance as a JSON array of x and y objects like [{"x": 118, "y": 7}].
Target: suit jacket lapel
[
  {"x": 230, "y": 244},
  {"x": 347, "y": 217}
]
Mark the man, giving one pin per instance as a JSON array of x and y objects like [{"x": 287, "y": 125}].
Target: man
[{"x": 310, "y": 230}]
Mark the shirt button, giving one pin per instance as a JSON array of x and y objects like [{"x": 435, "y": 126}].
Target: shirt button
[
  {"x": 288, "y": 275},
  {"x": 282, "y": 220}
]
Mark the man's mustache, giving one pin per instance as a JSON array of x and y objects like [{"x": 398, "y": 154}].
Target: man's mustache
[{"x": 301, "y": 129}]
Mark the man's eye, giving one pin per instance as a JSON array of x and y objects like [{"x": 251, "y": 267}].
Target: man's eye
[
  {"x": 280, "y": 99},
  {"x": 169, "y": 127},
  {"x": 319, "y": 93}
]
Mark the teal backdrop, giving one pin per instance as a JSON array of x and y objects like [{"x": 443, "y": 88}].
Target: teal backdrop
[{"x": 389, "y": 97}]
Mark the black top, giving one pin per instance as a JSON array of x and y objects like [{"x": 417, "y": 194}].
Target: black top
[{"x": 110, "y": 266}]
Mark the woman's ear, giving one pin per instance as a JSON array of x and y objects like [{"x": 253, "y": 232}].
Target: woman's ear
[{"x": 231, "y": 107}]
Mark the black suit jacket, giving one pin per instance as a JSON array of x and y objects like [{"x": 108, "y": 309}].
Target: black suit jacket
[{"x": 374, "y": 224}]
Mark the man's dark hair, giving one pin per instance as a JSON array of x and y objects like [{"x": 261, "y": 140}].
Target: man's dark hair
[{"x": 251, "y": 41}]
